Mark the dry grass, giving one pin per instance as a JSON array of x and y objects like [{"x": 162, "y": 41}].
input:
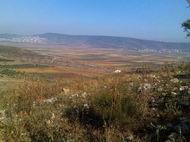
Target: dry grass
[{"x": 97, "y": 105}]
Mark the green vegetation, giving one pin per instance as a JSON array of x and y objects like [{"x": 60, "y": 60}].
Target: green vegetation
[
  {"x": 5, "y": 60},
  {"x": 186, "y": 26},
  {"x": 16, "y": 66},
  {"x": 10, "y": 70},
  {"x": 143, "y": 106},
  {"x": 7, "y": 71}
]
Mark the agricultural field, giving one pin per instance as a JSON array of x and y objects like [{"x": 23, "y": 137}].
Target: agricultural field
[{"x": 52, "y": 63}]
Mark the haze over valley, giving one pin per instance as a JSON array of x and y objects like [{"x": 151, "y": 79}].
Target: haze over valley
[{"x": 77, "y": 41}]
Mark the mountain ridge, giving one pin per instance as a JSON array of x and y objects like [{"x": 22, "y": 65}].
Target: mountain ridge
[
  {"x": 98, "y": 41},
  {"x": 77, "y": 35}
]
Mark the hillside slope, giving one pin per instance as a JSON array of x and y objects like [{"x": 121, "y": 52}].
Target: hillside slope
[{"x": 98, "y": 42}]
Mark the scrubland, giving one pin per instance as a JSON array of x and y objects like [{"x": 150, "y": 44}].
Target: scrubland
[
  {"x": 138, "y": 106},
  {"x": 63, "y": 95}
]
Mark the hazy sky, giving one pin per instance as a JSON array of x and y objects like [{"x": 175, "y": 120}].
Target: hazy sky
[{"x": 146, "y": 19}]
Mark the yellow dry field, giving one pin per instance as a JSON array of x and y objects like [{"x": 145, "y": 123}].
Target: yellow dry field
[
  {"x": 70, "y": 71},
  {"x": 41, "y": 70}
]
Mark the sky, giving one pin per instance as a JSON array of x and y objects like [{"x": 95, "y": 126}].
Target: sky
[{"x": 146, "y": 19}]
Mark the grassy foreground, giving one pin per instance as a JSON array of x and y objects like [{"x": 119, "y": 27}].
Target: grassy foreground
[{"x": 121, "y": 107}]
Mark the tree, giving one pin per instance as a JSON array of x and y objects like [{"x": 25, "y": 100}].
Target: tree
[
  {"x": 186, "y": 26},
  {"x": 188, "y": 2}
]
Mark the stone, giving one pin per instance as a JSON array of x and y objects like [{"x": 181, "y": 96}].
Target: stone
[{"x": 117, "y": 71}]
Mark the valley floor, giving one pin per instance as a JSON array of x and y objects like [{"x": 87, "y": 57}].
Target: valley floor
[{"x": 92, "y": 95}]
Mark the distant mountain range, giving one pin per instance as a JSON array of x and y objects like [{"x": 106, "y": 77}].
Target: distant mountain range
[{"x": 98, "y": 42}]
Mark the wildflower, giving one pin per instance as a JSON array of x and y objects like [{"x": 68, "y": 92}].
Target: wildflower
[
  {"x": 74, "y": 95},
  {"x": 167, "y": 85},
  {"x": 34, "y": 104},
  {"x": 62, "y": 105},
  {"x": 86, "y": 106},
  {"x": 175, "y": 80},
  {"x": 51, "y": 100},
  {"x": 144, "y": 87},
  {"x": 84, "y": 95},
  {"x": 183, "y": 88},
  {"x": 153, "y": 76},
  {"x": 147, "y": 86},
  {"x": 130, "y": 137},
  {"x": 155, "y": 84},
  {"x": 164, "y": 94},
  {"x": 153, "y": 100},
  {"x": 153, "y": 109},
  {"x": 48, "y": 122},
  {"x": 2, "y": 115},
  {"x": 23, "y": 134},
  {"x": 140, "y": 89},
  {"x": 53, "y": 116},
  {"x": 131, "y": 84},
  {"x": 175, "y": 89},
  {"x": 105, "y": 87},
  {"x": 160, "y": 89},
  {"x": 173, "y": 93}
]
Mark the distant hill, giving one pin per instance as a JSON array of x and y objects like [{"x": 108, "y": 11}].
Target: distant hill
[{"x": 98, "y": 42}]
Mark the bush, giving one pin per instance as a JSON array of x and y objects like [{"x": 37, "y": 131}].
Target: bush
[
  {"x": 113, "y": 107},
  {"x": 8, "y": 72},
  {"x": 109, "y": 105}
]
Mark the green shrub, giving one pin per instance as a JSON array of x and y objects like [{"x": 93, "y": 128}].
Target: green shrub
[
  {"x": 108, "y": 105},
  {"x": 8, "y": 72}
]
